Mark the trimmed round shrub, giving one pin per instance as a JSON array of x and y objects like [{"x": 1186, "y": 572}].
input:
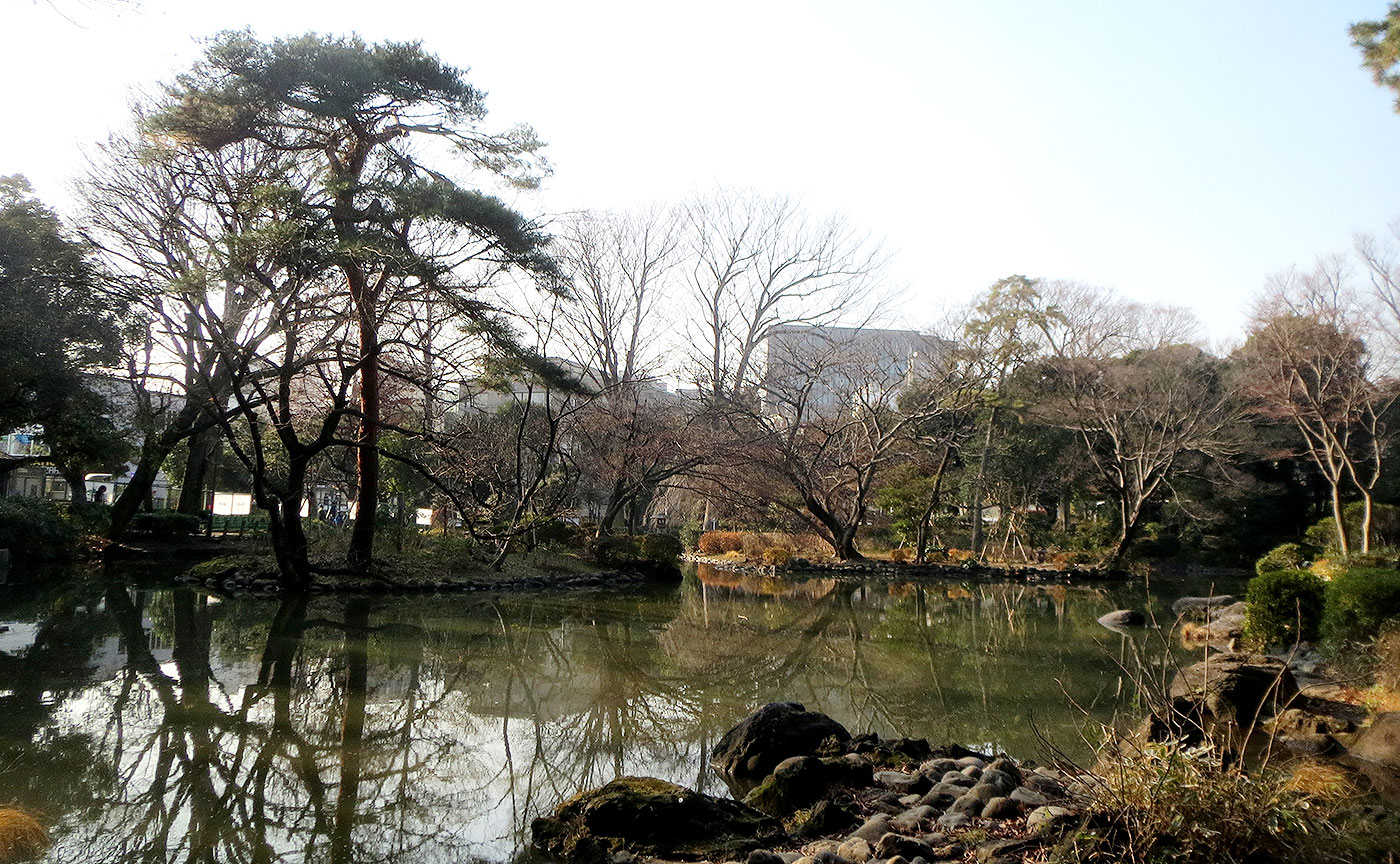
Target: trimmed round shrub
[
  {"x": 1359, "y": 601},
  {"x": 1288, "y": 556},
  {"x": 661, "y": 548},
  {"x": 1285, "y": 607}
]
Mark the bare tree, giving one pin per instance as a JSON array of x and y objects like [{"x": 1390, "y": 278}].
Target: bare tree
[
  {"x": 755, "y": 264},
  {"x": 1143, "y": 403},
  {"x": 836, "y": 410},
  {"x": 1310, "y": 364}
]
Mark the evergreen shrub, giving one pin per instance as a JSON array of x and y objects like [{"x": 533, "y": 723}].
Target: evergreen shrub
[
  {"x": 1359, "y": 601},
  {"x": 1285, "y": 607},
  {"x": 1288, "y": 556}
]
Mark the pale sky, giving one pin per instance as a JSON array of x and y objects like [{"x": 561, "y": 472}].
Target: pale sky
[{"x": 1179, "y": 152}]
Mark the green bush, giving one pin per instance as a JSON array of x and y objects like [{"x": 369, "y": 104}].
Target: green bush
[
  {"x": 1385, "y": 527},
  {"x": 1359, "y": 601},
  {"x": 555, "y": 534},
  {"x": 165, "y": 523},
  {"x": 612, "y": 549},
  {"x": 690, "y": 535},
  {"x": 1289, "y": 556},
  {"x": 1285, "y": 607},
  {"x": 34, "y": 530},
  {"x": 660, "y": 548}
]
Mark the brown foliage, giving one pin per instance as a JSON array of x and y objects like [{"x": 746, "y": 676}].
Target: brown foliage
[{"x": 22, "y": 838}]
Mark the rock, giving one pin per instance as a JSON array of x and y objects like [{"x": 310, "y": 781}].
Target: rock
[
  {"x": 939, "y": 800},
  {"x": 1045, "y": 815},
  {"x": 1123, "y": 618},
  {"x": 936, "y": 768},
  {"x": 984, "y": 792},
  {"x": 953, "y": 821},
  {"x": 998, "y": 778},
  {"x": 904, "y": 784},
  {"x": 1223, "y": 695},
  {"x": 909, "y": 821},
  {"x": 763, "y": 856},
  {"x": 1007, "y": 850},
  {"x": 855, "y": 849},
  {"x": 1310, "y": 744},
  {"x": 893, "y": 844},
  {"x": 957, "y": 778},
  {"x": 968, "y": 805},
  {"x": 1380, "y": 742},
  {"x": 1007, "y": 767},
  {"x": 829, "y": 816},
  {"x": 1028, "y": 797},
  {"x": 976, "y": 761},
  {"x": 751, "y": 750},
  {"x": 798, "y": 781},
  {"x": 948, "y": 851},
  {"x": 1001, "y": 808},
  {"x": 818, "y": 848},
  {"x": 873, "y": 828},
  {"x": 653, "y": 818},
  {"x": 1200, "y": 605},
  {"x": 1047, "y": 786},
  {"x": 972, "y": 771},
  {"x": 790, "y": 857}
]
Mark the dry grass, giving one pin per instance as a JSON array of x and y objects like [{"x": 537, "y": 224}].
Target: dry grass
[
  {"x": 22, "y": 838},
  {"x": 1162, "y": 804}
]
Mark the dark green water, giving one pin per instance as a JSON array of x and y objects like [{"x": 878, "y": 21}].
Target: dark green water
[{"x": 168, "y": 725}]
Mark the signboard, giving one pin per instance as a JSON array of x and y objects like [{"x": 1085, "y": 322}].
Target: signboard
[
  {"x": 425, "y": 516},
  {"x": 232, "y": 504}
]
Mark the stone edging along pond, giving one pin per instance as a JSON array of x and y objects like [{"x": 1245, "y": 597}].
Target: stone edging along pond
[{"x": 877, "y": 569}]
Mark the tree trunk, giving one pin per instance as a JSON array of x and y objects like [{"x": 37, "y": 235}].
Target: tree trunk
[
  {"x": 361, "y": 551},
  {"x": 978, "y": 531},
  {"x": 841, "y": 536},
  {"x": 203, "y": 446},
  {"x": 1366, "y": 521},
  {"x": 1337, "y": 517},
  {"x": 153, "y": 455},
  {"x": 1127, "y": 530},
  {"x": 926, "y": 518}
]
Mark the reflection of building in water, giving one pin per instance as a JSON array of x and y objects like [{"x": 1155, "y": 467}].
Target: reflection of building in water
[{"x": 110, "y": 655}]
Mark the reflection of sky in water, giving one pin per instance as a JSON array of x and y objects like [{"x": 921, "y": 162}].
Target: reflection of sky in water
[{"x": 480, "y": 715}]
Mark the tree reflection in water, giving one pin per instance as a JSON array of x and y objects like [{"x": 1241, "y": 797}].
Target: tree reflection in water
[{"x": 433, "y": 729}]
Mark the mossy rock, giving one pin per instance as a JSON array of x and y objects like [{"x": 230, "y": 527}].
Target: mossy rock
[
  {"x": 652, "y": 818},
  {"x": 801, "y": 781}
]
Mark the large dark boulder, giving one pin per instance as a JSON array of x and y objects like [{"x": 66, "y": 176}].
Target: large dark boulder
[
  {"x": 800, "y": 781},
  {"x": 652, "y": 818},
  {"x": 1222, "y": 697},
  {"x": 779, "y": 730}
]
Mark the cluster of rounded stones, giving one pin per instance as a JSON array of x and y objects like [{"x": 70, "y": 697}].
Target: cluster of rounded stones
[{"x": 922, "y": 811}]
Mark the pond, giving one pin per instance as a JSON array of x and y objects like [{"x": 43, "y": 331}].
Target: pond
[{"x": 171, "y": 725}]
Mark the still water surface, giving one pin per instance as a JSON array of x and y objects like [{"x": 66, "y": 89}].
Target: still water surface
[{"x": 169, "y": 725}]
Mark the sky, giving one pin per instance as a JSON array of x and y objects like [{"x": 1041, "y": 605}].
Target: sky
[{"x": 1178, "y": 152}]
